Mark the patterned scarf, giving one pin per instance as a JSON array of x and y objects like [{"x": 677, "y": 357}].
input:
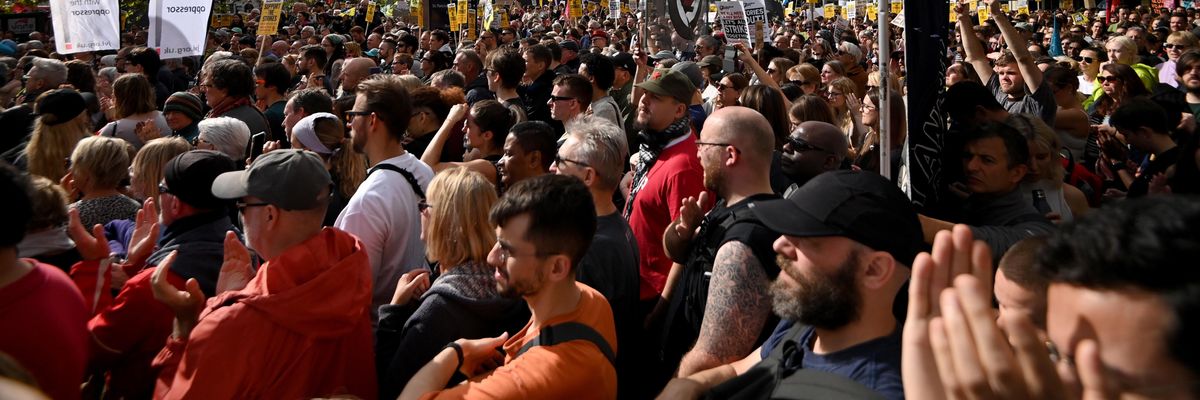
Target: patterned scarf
[
  {"x": 653, "y": 144},
  {"x": 229, "y": 103}
]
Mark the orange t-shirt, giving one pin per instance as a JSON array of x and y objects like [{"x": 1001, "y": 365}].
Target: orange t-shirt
[{"x": 571, "y": 370}]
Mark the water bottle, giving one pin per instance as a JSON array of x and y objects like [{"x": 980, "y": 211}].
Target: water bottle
[{"x": 1040, "y": 203}]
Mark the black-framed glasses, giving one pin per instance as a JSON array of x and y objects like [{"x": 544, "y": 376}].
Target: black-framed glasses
[
  {"x": 351, "y": 114},
  {"x": 1086, "y": 60},
  {"x": 559, "y": 160},
  {"x": 801, "y": 145},
  {"x": 560, "y": 98},
  {"x": 242, "y": 206},
  {"x": 1172, "y": 46},
  {"x": 163, "y": 189}
]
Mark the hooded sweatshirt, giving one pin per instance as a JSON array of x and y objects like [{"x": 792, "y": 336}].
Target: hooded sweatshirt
[
  {"x": 462, "y": 303},
  {"x": 299, "y": 329}
]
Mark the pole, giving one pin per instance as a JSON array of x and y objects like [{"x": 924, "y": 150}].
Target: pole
[{"x": 885, "y": 126}]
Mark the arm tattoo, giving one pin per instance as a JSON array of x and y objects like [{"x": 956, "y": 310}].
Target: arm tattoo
[{"x": 738, "y": 306}]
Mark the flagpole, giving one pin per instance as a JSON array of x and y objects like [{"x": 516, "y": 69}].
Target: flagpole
[{"x": 884, "y": 106}]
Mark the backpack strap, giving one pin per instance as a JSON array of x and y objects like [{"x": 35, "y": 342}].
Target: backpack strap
[
  {"x": 566, "y": 332},
  {"x": 412, "y": 180}
]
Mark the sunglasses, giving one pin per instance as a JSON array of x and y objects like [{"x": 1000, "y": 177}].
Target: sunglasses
[
  {"x": 1086, "y": 60},
  {"x": 801, "y": 145},
  {"x": 560, "y": 98},
  {"x": 1103, "y": 79},
  {"x": 1172, "y": 46}
]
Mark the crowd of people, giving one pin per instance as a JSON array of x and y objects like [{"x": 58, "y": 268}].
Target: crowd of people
[{"x": 596, "y": 207}]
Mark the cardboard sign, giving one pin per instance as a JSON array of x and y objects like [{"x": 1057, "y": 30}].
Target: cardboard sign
[
  {"x": 830, "y": 11},
  {"x": 897, "y": 6},
  {"x": 756, "y": 11},
  {"x": 1022, "y": 7},
  {"x": 574, "y": 9},
  {"x": 177, "y": 30},
  {"x": 370, "y": 12},
  {"x": 452, "y": 12}
]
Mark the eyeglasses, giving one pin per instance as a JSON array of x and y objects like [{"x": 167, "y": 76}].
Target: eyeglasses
[
  {"x": 800, "y": 145},
  {"x": 1103, "y": 79},
  {"x": 506, "y": 254},
  {"x": 163, "y": 189},
  {"x": 351, "y": 114},
  {"x": 1085, "y": 60},
  {"x": 832, "y": 94},
  {"x": 559, "y": 160},
  {"x": 242, "y": 206},
  {"x": 560, "y": 98},
  {"x": 1172, "y": 46}
]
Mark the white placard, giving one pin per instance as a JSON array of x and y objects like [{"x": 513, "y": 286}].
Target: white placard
[
  {"x": 86, "y": 25},
  {"x": 756, "y": 10},
  {"x": 178, "y": 27},
  {"x": 733, "y": 22}
]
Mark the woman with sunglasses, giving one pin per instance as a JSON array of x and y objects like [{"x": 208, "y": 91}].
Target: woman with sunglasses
[
  {"x": 729, "y": 89},
  {"x": 805, "y": 76},
  {"x": 1177, "y": 43},
  {"x": 1118, "y": 83}
]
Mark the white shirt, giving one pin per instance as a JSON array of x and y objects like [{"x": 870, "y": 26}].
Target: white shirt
[
  {"x": 383, "y": 215},
  {"x": 1085, "y": 86}
]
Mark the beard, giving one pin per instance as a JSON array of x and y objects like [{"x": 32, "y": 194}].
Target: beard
[
  {"x": 509, "y": 288},
  {"x": 358, "y": 140},
  {"x": 830, "y": 301},
  {"x": 714, "y": 178}
]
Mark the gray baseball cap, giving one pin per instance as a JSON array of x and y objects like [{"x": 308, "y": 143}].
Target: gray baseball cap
[{"x": 289, "y": 179}]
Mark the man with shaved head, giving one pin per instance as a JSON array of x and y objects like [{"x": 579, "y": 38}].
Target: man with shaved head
[
  {"x": 354, "y": 70},
  {"x": 720, "y": 309},
  {"x": 280, "y": 48},
  {"x": 813, "y": 148}
]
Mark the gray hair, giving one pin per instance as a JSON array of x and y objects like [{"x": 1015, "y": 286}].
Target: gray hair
[
  {"x": 54, "y": 72},
  {"x": 709, "y": 41},
  {"x": 851, "y": 49},
  {"x": 602, "y": 146},
  {"x": 108, "y": 73},
  {"x": 448, "y": 78},
  {"x": 229, "y": 135},
  {"x": 109, "y": 60}
]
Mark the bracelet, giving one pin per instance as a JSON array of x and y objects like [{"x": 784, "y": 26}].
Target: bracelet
[{"x": 457, "y": 351}]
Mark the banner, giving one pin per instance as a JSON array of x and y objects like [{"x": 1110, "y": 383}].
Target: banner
[
  {"x": 756, "y": 11},
  {"x": 86, "y": 25},
  {"x": 178, "y": 30},
  {"x": 489, "y": 15},
  {"x": 268, "y": 23},
  {"x": 733, "y": 22},
  {"x": 471, "y": 24},
  {"x": 925, "y": 56}
]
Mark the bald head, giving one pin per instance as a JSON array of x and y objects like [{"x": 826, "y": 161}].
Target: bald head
[
  {"x": 825, "y": 136},
  {"x": 744, "y": 128},
  {"x": 355, "y": 70},
  {"x": 280, "y": 48}
]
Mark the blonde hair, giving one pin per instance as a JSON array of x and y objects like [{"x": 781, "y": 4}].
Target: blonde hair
[
  {"x": 1041, "y": 136},
  {"x": 100, "y": 162},
  {"x": 842, "y": 117},
  {"x": 149, "y": 162},
  {"x": 349, "y": 166},
  {"x": 458, "y": 230},
  {"x": 51, "y": 145},
  {"x": 134, "y": 95},
  {"x": 49, "y": 205}
]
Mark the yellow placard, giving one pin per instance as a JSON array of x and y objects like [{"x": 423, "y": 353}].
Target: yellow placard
[
  {"x": 872, "y": 12},
  {"x": 575, "y": 9},
  {"x": 813, "y": 1},
  {"x": 1068, "y": 4},
  {"x": 471, "y": 24},
  {"x": 953, "y": 14},
  {"x": 845, "y": 13},
  {"x": 462, "y": 11},
  {"x": 504, "y": 18},
  {"x": 983, "y": 14},
  {"x": 1006, "y": 7},
  {"x": 415, "y": 6},
  {"x": 897, "y": 6},
  {"x": 830, "y": 11},
  {"x": 268, "y": 23},
  {"x": 370, "y": 12},
  {"x": 452, "y": 13}
]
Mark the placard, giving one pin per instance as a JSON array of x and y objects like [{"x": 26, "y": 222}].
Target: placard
[
  {"x": 177, "y": 30},
  {"x": 85, "y": 25},
  {"x": 370, "y": 12},
  {"x": 268, "y": 22},
  {"x": 733, "y": 21}
]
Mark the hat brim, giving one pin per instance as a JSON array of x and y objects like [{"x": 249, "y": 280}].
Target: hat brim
[
  {"x": 787, "y": 218},
  {"x": 231, "y": 185},
  {"x": 656, "y": 88}
]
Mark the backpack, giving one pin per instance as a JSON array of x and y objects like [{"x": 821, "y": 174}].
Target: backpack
[
  {"x": 570, "y": 331},
  {"x": 408, "y": 176},
  {"x": 781, "y": 376}
]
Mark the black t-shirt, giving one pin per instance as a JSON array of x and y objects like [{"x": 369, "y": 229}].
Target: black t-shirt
[{"x": 611, "y": 267}]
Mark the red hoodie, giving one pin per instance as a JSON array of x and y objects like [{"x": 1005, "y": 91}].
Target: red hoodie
[{"x": 299, "y": 329}]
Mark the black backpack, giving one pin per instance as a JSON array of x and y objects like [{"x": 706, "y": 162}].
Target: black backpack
[{"x": 781, "y": 376}]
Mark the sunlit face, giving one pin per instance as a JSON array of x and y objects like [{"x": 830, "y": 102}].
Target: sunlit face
[
  {"x": 870, "y": 113},
  {"x": 1010, "y": 79},
  {"x": 985, "y": 162},
  {"x": 1119, "y": 54},
  {"x": 828, "y": 75},
  {"x": 1175, "y": 48},
  {"x": 1110, "y": 83},
  {"x": 520, "y": 270},
  {"x": 836, "y": 97},
  {"x": 177, "y": 120}
]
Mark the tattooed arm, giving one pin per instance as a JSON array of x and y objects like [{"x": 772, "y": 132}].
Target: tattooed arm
[{"x": 738, "y": 306}]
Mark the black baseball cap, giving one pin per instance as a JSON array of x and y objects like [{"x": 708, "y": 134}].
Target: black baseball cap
[
  {"x": 189, "y": 176},
  {"x": 625, "y": 61},
  {"x": 859, "y": 205}
]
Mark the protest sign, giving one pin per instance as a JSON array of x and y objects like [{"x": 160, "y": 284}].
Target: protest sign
[
  {"x": 756, "y": 10},
  {"x": 272, "y": 11},
  {"x": 575, "y": 9},
  {"x": 371, "y": 12},
  {"x": 733, "y": 22},
  {"x": 830, "y": 11},
  {"x": 86, "y": 25},
  {"x": 178, "y": 30},
  {"x": 614, "y": 9}
]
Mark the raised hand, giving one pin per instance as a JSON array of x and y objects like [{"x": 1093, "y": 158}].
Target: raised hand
[
  {"x": 186, "y": 305},
  {"x": 91, "y": 246},
  {"x": 147, "y": 130},
  {"x": 458, "y": 113},
  {"x": 145, "y": 233},
  {"x": 954, "y": 253},
  {"x": 235, "y": 270},
  {"x": 691, "y": 213}
]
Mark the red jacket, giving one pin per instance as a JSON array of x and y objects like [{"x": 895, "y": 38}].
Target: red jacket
[
  {"x": 42, "y": 317},
  {"x": 299, "y": 329}
]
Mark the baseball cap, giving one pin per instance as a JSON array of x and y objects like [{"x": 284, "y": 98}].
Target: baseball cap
[
  {"x": 625, "y": 61},
  {"x": 289, "y": 179},
  {"x": 709, "y": 60},
  {"x": 663, "y": 54},
  {"x": 600, "y": 33},
  {"x": 859, "y": 205},
  {"x": 59, "y": 105},
  {"x": 189, "y": 175},
  {"x": 569, "y": 44},
  {"x": 692, "y": 71},
  {"x": 1023, "y": 26},
  {"x": 665, "y": 82}
]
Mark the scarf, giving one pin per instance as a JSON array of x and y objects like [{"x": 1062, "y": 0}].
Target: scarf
[
  {"x": 653, "y": 143},
  {"x": 229, "y": 103}
]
